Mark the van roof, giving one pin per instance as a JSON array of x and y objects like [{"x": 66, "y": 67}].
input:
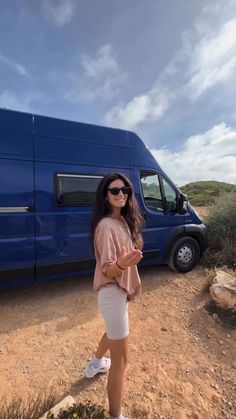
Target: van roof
[{"x": 46, "y": 128}]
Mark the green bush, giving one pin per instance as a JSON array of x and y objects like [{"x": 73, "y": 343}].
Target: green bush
[
  {"x": 203, "y": 193},
  {"x": 221, "y": 227},
  {"x": 83, "y": 411}
]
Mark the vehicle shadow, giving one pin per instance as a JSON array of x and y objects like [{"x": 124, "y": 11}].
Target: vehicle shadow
[
  {"x": 64, "y": 300},
  {"x": 69, "y": 302}
]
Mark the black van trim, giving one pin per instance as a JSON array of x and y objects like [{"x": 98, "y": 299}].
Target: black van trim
[
  {"x": 151, "y": 254},
  {"x": 83, "y": 265},
  {"x": 197, "y": 231},
  {"x": 59, "y": 268},
  {"x": 12, "y": 275}
]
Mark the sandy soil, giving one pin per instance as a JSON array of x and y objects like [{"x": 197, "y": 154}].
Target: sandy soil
[
  {"x": 182, "y": 359},
  {"x": 202, "y": 211}
]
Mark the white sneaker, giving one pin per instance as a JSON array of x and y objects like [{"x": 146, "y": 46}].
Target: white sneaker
[
  {"x": 119, "y": 417},
  {"x": 90, "y": 371}
]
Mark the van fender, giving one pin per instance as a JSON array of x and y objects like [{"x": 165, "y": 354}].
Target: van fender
[{"x": 196, "y": 231}]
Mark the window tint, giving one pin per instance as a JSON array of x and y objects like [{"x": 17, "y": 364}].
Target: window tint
[
  {"x": 170, "y": 195},
  {"x": 76, "y": 189},
  {"x": 151, "y": 191}
]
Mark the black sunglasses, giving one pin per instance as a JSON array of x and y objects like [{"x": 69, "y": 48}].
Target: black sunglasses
[{"x": 126, "y": 190}]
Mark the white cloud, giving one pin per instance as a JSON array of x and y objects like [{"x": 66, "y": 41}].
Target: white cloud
[
  {"x": 23, "y": 103},
  {"x": 150, "y": 106},
  {"x": 102, "y": 78},
  {"x": 60, "y": 12},
  {"x": 104, "y": 63},
  {"x": 18, "y": 68},
  {"x": 207, "y": 156},
  {"x": 213, "y": 59},
  {"x": 206, "y": 58},
  {"x": 9, "y": 100}
]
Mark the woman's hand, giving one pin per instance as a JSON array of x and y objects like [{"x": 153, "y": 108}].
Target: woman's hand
[{"x": 127, "y": 259}]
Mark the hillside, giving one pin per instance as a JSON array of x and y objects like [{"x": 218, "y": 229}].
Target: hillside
[{"x": 204, "y": 192}]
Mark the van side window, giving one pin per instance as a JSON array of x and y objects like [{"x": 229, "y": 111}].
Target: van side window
[
  {"x": 74, "y": 189},
  {"x": 169, "y": 195},
  {"x": 151, "y": 191}
]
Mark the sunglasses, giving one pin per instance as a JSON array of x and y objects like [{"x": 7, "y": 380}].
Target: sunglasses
[{"x": 126, "y": 190}]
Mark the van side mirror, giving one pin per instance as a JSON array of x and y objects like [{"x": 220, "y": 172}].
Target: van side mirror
[{"x": 182, "y": 204}]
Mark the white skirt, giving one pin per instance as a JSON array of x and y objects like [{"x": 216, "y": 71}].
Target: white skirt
[{"x": 113, "y": 305}]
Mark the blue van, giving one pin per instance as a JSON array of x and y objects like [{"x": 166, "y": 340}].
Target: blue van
[{"x": 49, "y": 171}]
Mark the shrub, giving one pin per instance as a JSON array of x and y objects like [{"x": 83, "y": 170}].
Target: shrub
[
  {"x": 221, "y": 227},
  {"x": 83, "y": 411},
  {"x": 203, "y": 193}
]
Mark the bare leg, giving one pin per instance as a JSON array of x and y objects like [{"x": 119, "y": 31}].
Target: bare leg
[
  {"x": 115, "y": 384},
  {"x": 103, "y": 346}
]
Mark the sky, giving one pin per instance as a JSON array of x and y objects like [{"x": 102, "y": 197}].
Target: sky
[{"x": 165, "y": 69}]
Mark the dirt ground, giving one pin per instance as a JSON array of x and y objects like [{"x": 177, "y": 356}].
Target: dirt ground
[
  {"x": 202, "y": 211},
  {"x": 182, "y": 359}
]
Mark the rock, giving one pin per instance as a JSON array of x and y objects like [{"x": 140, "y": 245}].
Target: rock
[
  {"x": 201, "y": 305},
  {"x": 64, "y": 404},
  {"x": 215, "y": 386},
  {"x": 163, "y": 329},
  {"x": 234, "y": 365},
  {"x": 223, "y": 290}
]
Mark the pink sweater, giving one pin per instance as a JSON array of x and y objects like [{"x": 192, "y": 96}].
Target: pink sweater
[{"x": 110, "y": 236}]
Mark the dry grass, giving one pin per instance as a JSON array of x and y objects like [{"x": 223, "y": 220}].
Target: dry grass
[{"x": 31, "y": 409}]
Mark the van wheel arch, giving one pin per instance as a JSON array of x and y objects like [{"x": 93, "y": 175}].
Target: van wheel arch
[{"x": 184, "y": 254}]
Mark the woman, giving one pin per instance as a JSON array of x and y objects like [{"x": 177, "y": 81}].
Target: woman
[{"x": 116, "y": 237}]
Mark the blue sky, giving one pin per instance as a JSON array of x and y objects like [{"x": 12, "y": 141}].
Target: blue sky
[{"x": 162, "y": 68}]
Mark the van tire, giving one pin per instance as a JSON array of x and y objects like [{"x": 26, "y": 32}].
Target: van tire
[{"x": 184, "y": 255}]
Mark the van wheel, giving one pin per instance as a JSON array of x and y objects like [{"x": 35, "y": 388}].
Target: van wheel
[{"x": 184, "y": 255}]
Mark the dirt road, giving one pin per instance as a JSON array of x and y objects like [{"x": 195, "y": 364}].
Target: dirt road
[{"x": 182, "y": 359}]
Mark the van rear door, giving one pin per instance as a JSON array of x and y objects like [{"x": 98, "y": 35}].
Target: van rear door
[{"x": 17, "y": 236}]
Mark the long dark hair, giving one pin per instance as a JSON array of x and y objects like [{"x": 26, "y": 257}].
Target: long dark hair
[{"x": 130, "y": 211}]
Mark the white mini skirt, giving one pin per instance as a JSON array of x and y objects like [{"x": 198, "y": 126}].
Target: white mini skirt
[{"x": 113, "y": 305}]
